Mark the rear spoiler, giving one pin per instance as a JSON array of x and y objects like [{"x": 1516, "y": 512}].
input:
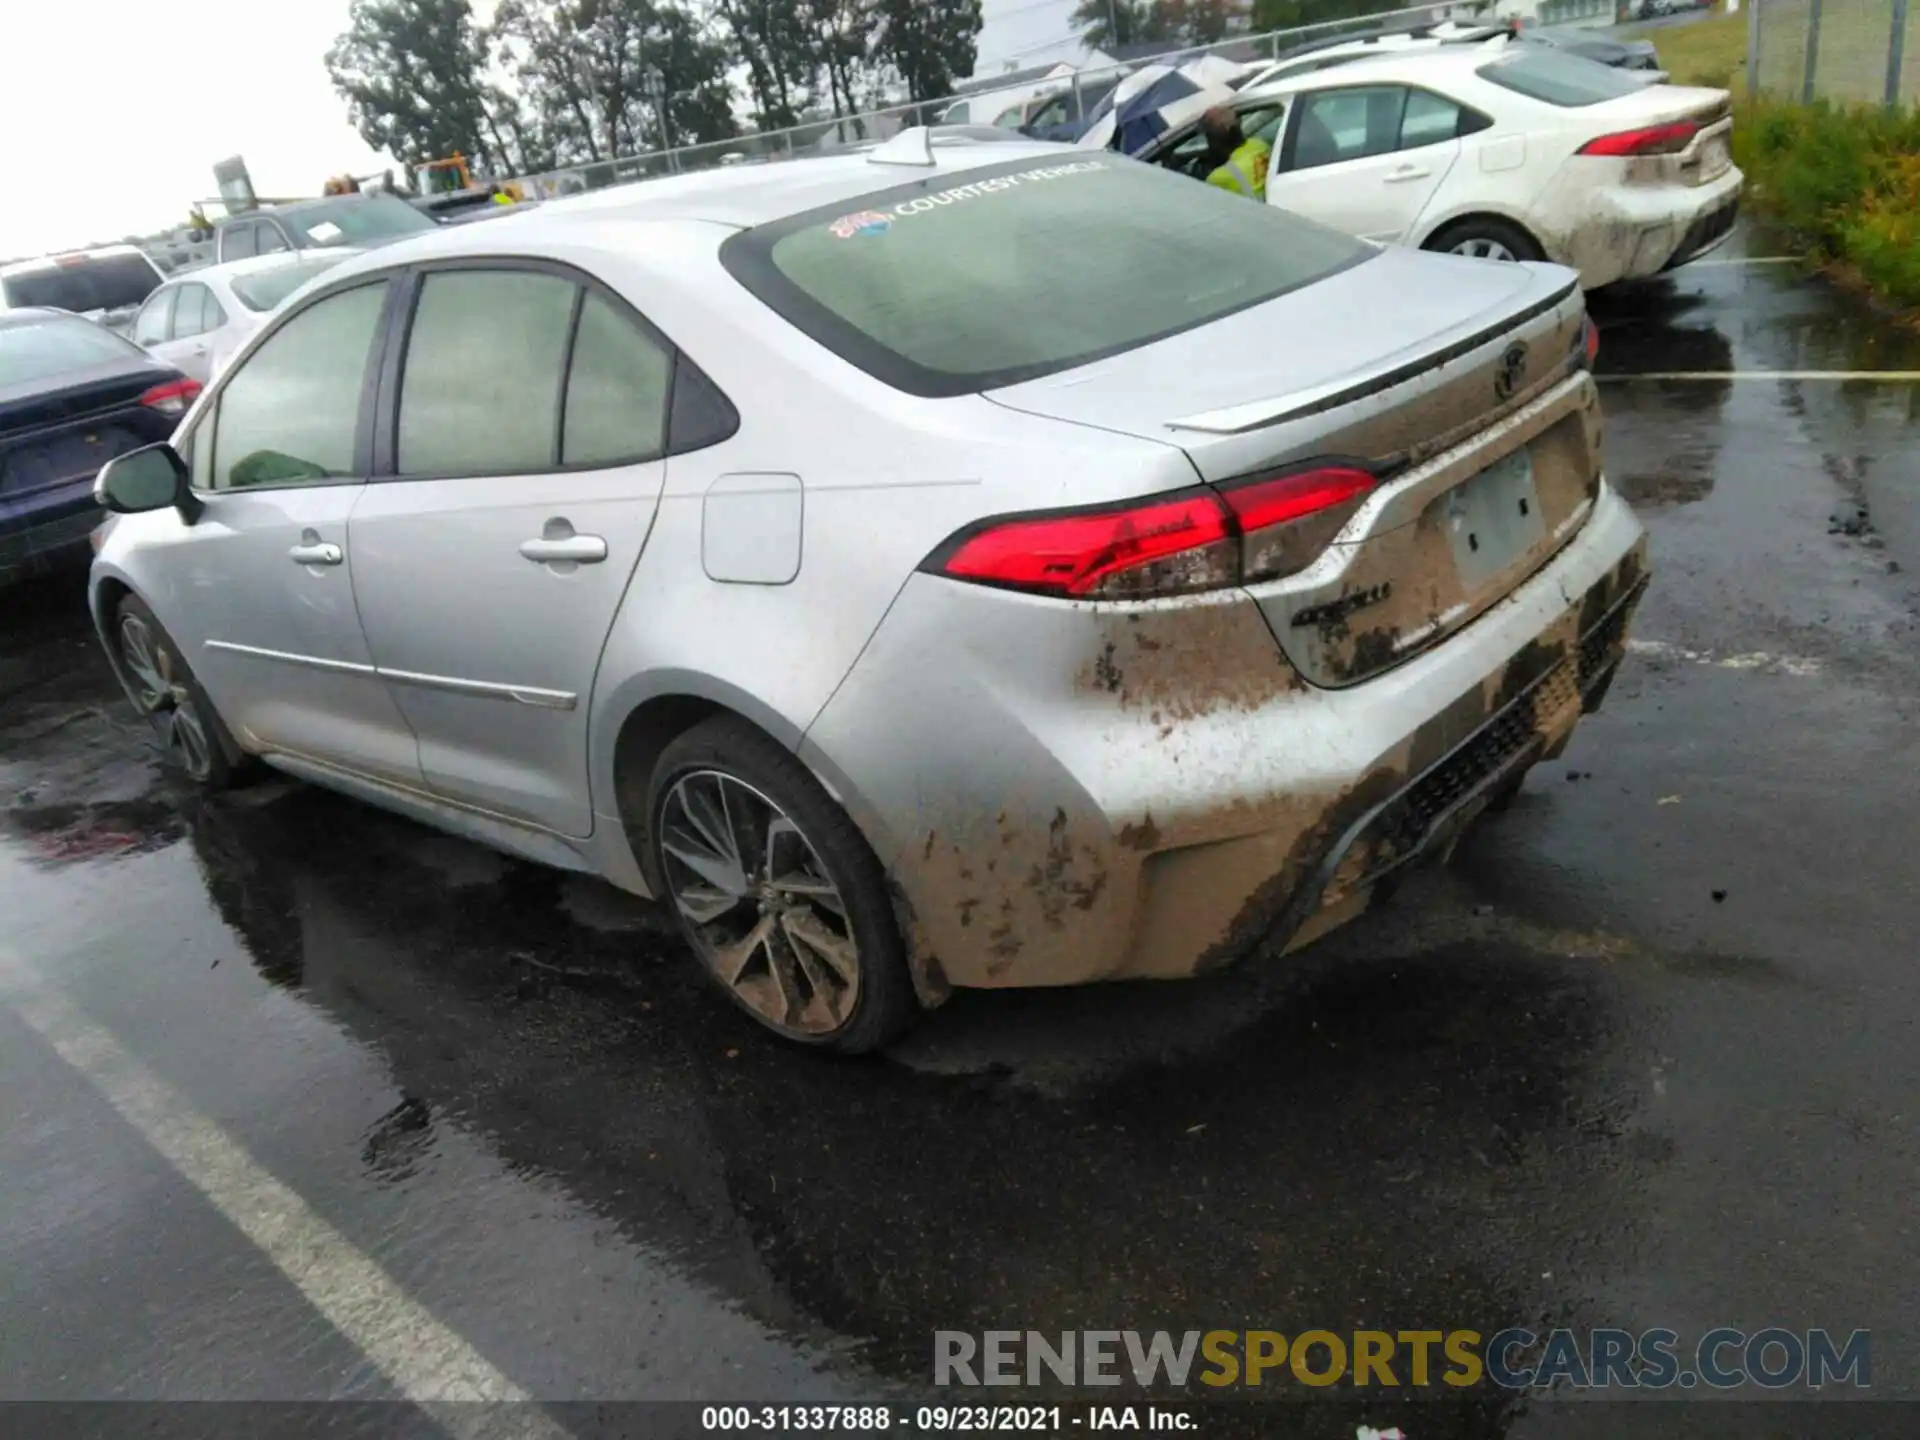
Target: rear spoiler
[{"x": 1260, "y": 414}]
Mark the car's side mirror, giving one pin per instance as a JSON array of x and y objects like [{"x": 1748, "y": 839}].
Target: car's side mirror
[{"x": 152, "y": 478}]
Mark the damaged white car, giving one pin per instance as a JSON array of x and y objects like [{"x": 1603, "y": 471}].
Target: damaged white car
[{"x": 1514, "y": 152}]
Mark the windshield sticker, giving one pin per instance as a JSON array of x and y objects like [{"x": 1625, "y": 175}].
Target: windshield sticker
[
  {"x": 875, "y": 222},
  {"x": 867, "y": 222},
  {"x": 325, "y": 233}
]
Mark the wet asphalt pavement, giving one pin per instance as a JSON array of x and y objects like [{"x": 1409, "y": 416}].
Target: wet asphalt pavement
[{"x": 1645, "y": 1055}]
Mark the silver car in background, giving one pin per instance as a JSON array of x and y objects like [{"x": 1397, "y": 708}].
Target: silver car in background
[
  {"x": 908, "y": 589},
  {"x": 197, "y": 321}
]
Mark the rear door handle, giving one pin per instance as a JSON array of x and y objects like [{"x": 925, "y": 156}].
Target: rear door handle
[
  {"x": 317, "y": 554},
  {"x": 579, "y": 549},
  {"x": 1406, "y": 173}
]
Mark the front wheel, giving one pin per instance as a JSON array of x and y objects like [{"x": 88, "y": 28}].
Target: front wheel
[
  {"x": 1486, "y": 237},
  {"x": 776, "y": 890},
  {"x": 164, "y": 690}
]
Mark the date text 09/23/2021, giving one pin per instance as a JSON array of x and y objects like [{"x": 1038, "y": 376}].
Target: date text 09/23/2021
[{"x": 1048, "y": 1420}]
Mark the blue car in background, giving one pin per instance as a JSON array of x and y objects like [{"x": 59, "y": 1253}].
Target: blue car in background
[{"x": 73, "y": 395}]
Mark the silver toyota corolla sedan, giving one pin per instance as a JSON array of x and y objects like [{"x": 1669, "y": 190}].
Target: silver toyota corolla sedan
[{"x": 956, "y": 564}]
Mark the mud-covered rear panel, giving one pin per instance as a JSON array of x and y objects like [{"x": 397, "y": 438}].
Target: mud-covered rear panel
[
  {"x": 1444, "y": 540},
  {"x": 1491, "y": 460}
]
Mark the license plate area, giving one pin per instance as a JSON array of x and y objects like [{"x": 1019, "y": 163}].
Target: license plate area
[
  {"x": 1714, "y": 158},
  {"x": 1493, "y": 518}
]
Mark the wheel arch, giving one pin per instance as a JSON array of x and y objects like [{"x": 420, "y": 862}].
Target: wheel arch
[
  {"x": 640, "y": 720},
  {"x": 1432, "y": 230},
  {"x": 105, "y": 590},
  {"x": 651, "y": 715}
]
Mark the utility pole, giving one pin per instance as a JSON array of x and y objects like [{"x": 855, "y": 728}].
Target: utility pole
[{"x": 1113, "y": 22}]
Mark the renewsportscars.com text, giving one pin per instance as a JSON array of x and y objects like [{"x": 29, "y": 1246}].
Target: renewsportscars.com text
[{"x": 1721, "y": 1359}]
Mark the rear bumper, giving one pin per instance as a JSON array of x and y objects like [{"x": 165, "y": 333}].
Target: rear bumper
[
  {"x": 1629, "y": 232},
  {"x": 46, "y": 538},
  {"x": 1706, "y": 234},
  {"x": 1074, "y": 794}
]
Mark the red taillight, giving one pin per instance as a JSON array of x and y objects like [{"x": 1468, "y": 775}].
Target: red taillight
[
  {"x": 173, "y": 398},
  {"x": 1590, "y": 339},
  {"x": 1147, "y": 549},
  {"x": 1653, "y": 140},
  {"x": 1172, "y": 545}
]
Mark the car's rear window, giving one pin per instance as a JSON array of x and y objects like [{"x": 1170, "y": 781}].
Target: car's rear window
[
  {"x": 83, "y": 283},
  {"x": 960, "y": 283},
  {"x": 264, "y": 289},
  {"x": 1558, "y": 77},
  {"x": 56, "y": 345}
]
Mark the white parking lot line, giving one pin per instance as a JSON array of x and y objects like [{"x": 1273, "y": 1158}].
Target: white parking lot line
[
  {"x": 1884, "y": 377},
  {"x": 427, "y": 1362},
  {"x": 1760, "y": 660}
]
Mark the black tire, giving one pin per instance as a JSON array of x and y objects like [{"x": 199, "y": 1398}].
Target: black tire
[
  {"x": 165, "y": 690},
  {"x": 1479, "y": 233},
  {"x": 728, "y": 757}
]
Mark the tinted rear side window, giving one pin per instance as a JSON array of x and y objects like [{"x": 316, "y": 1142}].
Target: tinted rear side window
[
  {"x": 480, "y": 389},
  {"x": 1558, "y": 78},
  {"x": 616, "y": 391},
  {"x": 93, "y": 282},
  {"x": 963, "y": 283},
  {"x": 41, "y": 349}
]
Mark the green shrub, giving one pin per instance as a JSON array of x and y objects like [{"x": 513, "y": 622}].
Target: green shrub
[{"x": 1846, "y": 180}]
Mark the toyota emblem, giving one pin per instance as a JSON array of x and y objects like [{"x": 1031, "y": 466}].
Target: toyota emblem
[{"x": 1513, "y": 369}]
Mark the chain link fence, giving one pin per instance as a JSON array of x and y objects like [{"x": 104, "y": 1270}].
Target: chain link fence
[{"x": 1851, "y": 51}]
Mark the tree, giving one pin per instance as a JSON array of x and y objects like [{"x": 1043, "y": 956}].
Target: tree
[
  {"x": 1287, "y": 14},
  {"x": 772, "y": 39},
  {"x": 412, "y": 74},
  {"x": 587, "y": 71},
  {"x": 1106, "y": 23},
  {"x": 929, "y": 44},
  {"x": 839, "y": 31},
  {"x": 1198, "y": 22}
]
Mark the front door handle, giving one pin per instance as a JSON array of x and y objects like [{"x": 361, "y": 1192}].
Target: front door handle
[
  {"x": 1406, "y": 173},
  {"x": 577, "y": 549},
  {"x": 317, "y": 554}
]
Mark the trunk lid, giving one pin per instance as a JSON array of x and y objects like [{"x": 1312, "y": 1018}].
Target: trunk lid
[
  {"x": 1705, "y": 158},
  {"x": 1461, "y": 382},
  {"x": 54, "y": 435}
]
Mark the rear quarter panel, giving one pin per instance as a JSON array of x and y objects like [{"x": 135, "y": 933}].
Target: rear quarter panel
[
  {"x": 1505, "y": 170},
  {"x": 885, "y": 478}
]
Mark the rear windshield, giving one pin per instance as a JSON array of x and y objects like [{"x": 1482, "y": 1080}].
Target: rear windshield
[
  {"x": 355, "y": 220},
  {"x": 56, "y": 345},
  {"x": 267, "y": 288},
  {"x": 945, "y": 288},
  {"x": 86, "y": 282},
  {"x": 1558, "y": 77}
]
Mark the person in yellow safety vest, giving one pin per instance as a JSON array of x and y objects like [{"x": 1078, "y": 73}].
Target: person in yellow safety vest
[{"x": 1240, "y": 164}]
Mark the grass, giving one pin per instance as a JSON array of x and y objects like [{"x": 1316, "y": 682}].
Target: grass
[{"x": 1708, "y": 52}]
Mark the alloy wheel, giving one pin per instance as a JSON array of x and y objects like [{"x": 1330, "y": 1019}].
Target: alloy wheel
[
  {"x": 1481, "y": 248},
  {"x": 759, "y": 904},
  {"x": 148, "y": 662},
  {"x": 158, "y": 688}
]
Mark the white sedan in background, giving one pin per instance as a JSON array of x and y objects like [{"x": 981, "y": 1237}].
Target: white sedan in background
[
  {"x": 1507, "y": 152},
  {"x": 198, "y": 320}
]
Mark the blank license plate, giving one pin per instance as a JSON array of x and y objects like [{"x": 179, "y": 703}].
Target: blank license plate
[
  {"x": 1494, "y": 518},
  {"x": 1714, "y": 158}
]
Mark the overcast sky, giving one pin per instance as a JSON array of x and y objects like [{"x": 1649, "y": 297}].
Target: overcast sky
[{"x": 97, "y": 151}]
